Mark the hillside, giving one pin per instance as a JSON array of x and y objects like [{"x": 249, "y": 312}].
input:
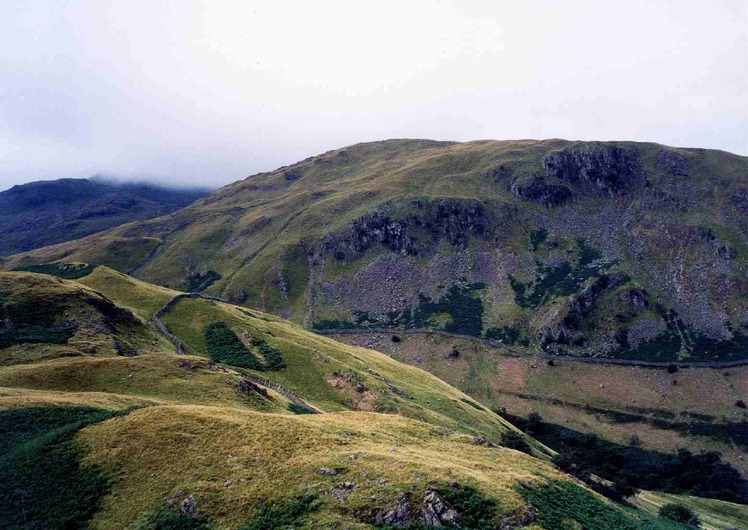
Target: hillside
[
  {"x": 47, "y": 212},
  {"x": 605, "y": 249},
  {"x": 259, "y": 424},
  {"x": 627, "y": 418}
]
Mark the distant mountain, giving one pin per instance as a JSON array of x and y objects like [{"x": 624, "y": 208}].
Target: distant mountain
[
  {"x": 605, "y": 249},
  {"x": 47, "y": 212}
]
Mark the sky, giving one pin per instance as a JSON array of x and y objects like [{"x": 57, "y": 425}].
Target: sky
[{"x": 210, "y": 92}]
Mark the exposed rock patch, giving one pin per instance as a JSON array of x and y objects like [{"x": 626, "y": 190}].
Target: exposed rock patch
[
  {"x": 534, "y": 188},
  {"x": 609, "y": 169}
]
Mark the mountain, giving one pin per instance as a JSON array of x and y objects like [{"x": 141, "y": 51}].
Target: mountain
[
  {"x": 257, "y": 424},
  {"x": 590, "y": 249},
  {"x": 46, "y": 212}
]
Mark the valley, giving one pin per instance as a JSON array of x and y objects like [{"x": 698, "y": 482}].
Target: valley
[
  {"x": 149, "y": 438},
  {"x": 398, "y": 334}
]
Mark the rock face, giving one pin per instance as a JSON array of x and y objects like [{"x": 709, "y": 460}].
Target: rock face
[
  {"x": 672, "y": 163},
  {"x": 535, "y": 189},
  {"x": 246, "y": 386},
  {"x": 610, "y": 169},
  {"x": 436, "y": 512},
  {"x": 400, "y": 514},
  {"x": 433, "y": 512},
  {"x": 427, "y": 223}
]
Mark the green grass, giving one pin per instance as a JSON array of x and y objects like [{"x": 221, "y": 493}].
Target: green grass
[
  {"x": 165, "y": 519},
  {"x": 283, "y": 514}
]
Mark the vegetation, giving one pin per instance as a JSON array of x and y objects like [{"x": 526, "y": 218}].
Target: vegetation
[
  {"x": 199, "y": 282},
  {"x": 43, "y": 483},
  {"x": 33, "y": 321},
  {"x": 680, "y": 514},
  {"x": 506, "y": 334},
  {"x": 201, "y": 435},
  {"x": 476, "y": 511},
  {"x": 225, "y": 347},
  {"x": 465, "y": 312},
  {"x": 165, "y": 519},
  {"x": 703, "y": 474},
  {"x": 566, "y": 506},
  {"x": 272, "y": 356},
  {"x": 562, "y": 280},
  {"x": 68, "y": 271},
  {"x": 452, "y": 223},
  {"x": 283, "y": 514}
]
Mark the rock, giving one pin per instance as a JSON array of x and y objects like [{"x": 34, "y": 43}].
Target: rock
[
  {"x": 291, "y": 175},
  {"x": 556, "y": 327},
  {"x": 327, "y": 471},
  {"x": 185, "y": 364},
  {"x": 500, "y": 172},
  {"x": 417, "y": 233},
  {"x": 639, "y": 298},
  {"x": 584, "y": 301},
  {"x": 672, "y": 163},
  {"x": 189, "y": 507},
  {"x": 534, "y": 188},
  {"x": 609, "y": 169},
  {"x": 400, "y": 514},
  {"x": 482, "y": 440},
  {"x": 726, "y": 252},
  {"x": 246, "y": 386},
  {"x": 436, "y": 512},
  {"x": 342, "y": 491},
  {"x": 175, "y": 498}
]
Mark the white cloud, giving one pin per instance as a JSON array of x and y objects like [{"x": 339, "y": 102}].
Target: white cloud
[{"x": 213, "y": 91}]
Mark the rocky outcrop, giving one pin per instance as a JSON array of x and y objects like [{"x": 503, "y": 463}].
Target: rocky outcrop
[
  {"x": 399, "y": 514},
  {"x": 534, "y": 188},
  {"x": 500, "y": 172},
  {"x": 672, "y": 163},
  {"x": 584, "y": 301},
  {"x": 412, "y": 229},
  {"x": 433, "y": 512},
  {"x": 436, "y": 512},
  {"x": 247, "y": 386},
  {"x": 610, "y": 169},
  {"x": 560, "y": 323}
]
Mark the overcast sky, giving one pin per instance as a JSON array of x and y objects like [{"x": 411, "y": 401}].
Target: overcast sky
[{"x": 210, "y": 92}]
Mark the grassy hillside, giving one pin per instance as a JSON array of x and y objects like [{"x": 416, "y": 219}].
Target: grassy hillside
[
  {"x": 94, "y": 438},
  {"x": 618, "y": 249}
]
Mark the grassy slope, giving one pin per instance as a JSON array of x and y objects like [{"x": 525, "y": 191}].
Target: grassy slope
[
  {"x": 232, "y": 460},
  {"x": 312, "y": 360},
  {"x": 715, "y": 515},
  {"x": 199, "y": 435},
  {"x": 560, "y": 393}
]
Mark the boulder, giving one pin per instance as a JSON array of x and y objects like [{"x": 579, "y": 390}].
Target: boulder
[{"x": 436, "y": 512}]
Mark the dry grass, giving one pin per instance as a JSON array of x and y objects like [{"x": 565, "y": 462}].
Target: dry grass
[
  {"x": 230, "y": 460},
  {"x": 154, "y": 377}
]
